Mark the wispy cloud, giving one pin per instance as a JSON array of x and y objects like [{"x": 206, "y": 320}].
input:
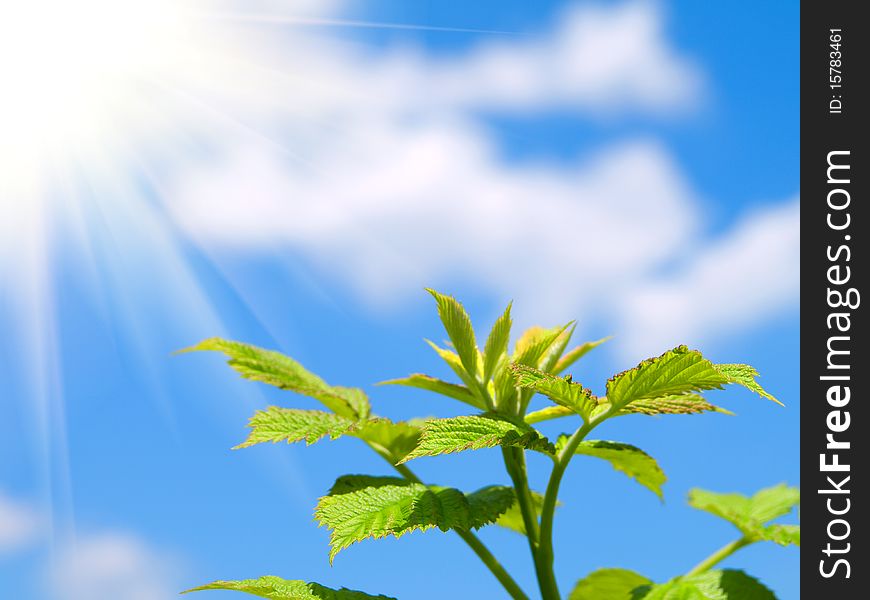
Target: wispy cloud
[
  {"x": 597, "y": 60},
  {"x": 20, "y": 525},
  {"x": 733, "y": 283},
  {"x": 605, "y": 59},
  {"x": 405, "y": 187},
  {"x": 429, "y": 205},
  {"x": 374, "y": 166},
  {"x": 114, "y": 566},
  {"x": 111, "y": 565}
]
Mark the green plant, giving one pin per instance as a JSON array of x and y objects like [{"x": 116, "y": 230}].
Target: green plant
[{"x": 499, "y": 387}]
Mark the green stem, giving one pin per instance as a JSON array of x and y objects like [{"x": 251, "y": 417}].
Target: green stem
[
  {"x": 720, "y": 555},
  {"x": 468, "y": 537},
  {"x": 492, "y": 563},
  {"x": 548, "y": 585},
  {"x": 515, "y": 462}
]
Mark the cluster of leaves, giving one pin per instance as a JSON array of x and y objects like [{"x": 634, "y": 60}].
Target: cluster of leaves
[
  {"x": 751, "y": 516},
  {"x": 499, "y": 385}
]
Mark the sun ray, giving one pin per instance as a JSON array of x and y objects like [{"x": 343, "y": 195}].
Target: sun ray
[
  {"x": 104, "y": 102},
  {"x": 271, "y": 19}
]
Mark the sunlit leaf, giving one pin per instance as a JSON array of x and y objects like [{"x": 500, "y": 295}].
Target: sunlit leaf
[
  {"x": 455, "y": 363},
  {"x": 554, "y": 352},
  {"x": 432, "y": 384},
  {"x": 626, "y": 458},
  {"x": 473, "y": 432},
  {"x": 395, "y": 439},
  {"x": 276, "y": 588},
  {"x": 673, "y": 404},
  {"x": 360, "y": 507},
  {"x": 458, "y": 326},
  {"x": 513, "y": 517},
  {"x": 677, "y": 371},
  {"x": 561, "y": 390},
  {"x": 575, "y": 354},
  {"x": 497, "y": 343},
  {"x": 534, "y": 344},
  {"x": 290, "y": 425},
  {"x": 745, "y": 375},
  {"x": 281, "y": 371},
  {"x": 548, "y": 413},
  {"x": 751, "y": 514},
  {"x": 611, "y": 584},
  {"x": 727, "y": 584}
]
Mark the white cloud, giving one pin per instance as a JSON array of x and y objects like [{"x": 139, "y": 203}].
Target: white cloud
[
  {"x": 103, "y": 566},
  {"x": 737, "y": 281},
  {"x": 386, "y": 179},
  {"x": 378, "y": 172},
  {"x": 114, "y": 566},
  {"x": 20, "y": 525},
  {"x": 604, "y": 59},
  {"x": 601, "y": 58},
  {"x": 612, "y": 59},
  {"x": 434, "y": 203}
]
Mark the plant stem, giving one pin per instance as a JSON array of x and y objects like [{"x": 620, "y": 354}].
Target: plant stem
[
  {"x": 495, "y": 567},
  {"x": 720, "y": 555},
  {"x": 492, "y": 563},
  {"x": 547, "y": 575},
  {"x": 515, "y": 463}
]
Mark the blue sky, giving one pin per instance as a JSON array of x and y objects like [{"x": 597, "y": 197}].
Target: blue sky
[{"x": 630, "y": 165}]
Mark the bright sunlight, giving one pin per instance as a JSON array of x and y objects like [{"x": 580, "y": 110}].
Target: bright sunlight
[{"x": 76, "y": 75}]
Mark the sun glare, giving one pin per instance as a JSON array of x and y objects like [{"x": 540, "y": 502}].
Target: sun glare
[{"x": 75, "y": 74}]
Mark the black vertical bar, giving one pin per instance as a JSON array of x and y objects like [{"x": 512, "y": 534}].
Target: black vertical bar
[{"x": 834, "y": 370}]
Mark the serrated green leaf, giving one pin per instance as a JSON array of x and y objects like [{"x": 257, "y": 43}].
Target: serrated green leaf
[
  {"x": 575, "y": 354},
  {"x": 276, "y": 588},
  {"x": 455, "y": 363},
  {"x": 458, "y": 326},
  {"x": 395, "y": 439},
  {"x": 513, "y": 517},
  {"x": 439, "y": 386},
  {"x": 674, "y": 404},
  {"x": 503, "y": 384},
  {"x": 621, "y": 584},
  {"x": 750, "y": 514},
  {"x": 488, "y": 504},
  {"x": 534, "y": 344},
  {"x": 290, "y": 425},
  {"x": 745, "y": 375},
  {"x": 554, "y": 352},
  {"x": 347, "y": 484},
  {"x": 677, "y": 371},
  {"x": 784, "y": 535},
  {"x": 533, "y": 349},
  {"x": 283, "y": 372},
  {"x": 496, "y": 343},
  {"x": 361, "y": 507},
  {"x": 626, "y": 458},
  {"x": 473, "y": 432},
  {"x": 548, "y": 413},
  {"x": 765, "y": 505},
  {"x": 562, "y": 391},
  {"x": 527, "y": 338},
  {"x": 727, "y": 584},
  {"x": 611, "y": 584}
]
